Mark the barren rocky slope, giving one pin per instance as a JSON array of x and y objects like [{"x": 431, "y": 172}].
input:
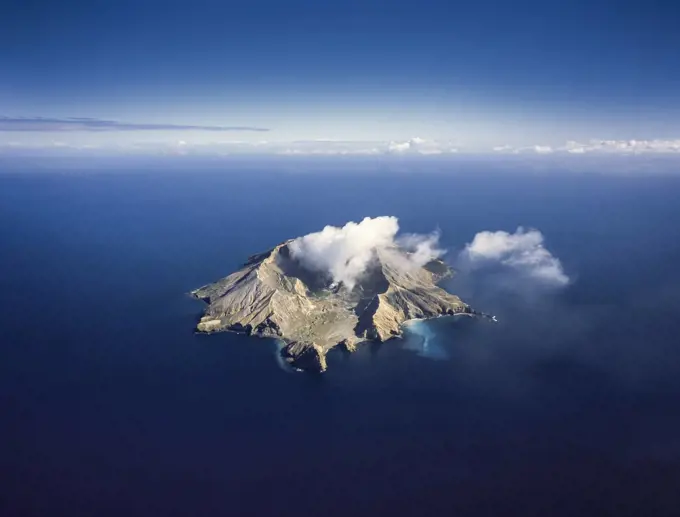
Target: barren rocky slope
[{"x": 274, "y": 296}]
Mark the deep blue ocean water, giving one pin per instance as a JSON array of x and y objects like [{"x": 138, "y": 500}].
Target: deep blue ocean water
[{"x": 110, "y": 405}]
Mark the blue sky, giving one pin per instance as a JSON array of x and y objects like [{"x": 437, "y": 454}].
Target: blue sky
[{"x": 469, "y": 75}]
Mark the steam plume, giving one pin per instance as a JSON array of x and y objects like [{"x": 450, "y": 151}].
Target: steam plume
[{"x": 345, "y": 253}]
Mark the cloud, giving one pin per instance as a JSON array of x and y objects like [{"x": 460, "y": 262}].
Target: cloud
[
  {"x": 625, "y": 146},
  {"x": 421, "y": 146},
  {"x": 330, "y": 147},
  {"x": 620, "y": 147},
  {"x": 537, "y": 149},
  {"x": 330, "y": 152},
  {"x": 522, "y": 251},
  {"x": 398, "y": 147},
  {"x": 345, "y": 253},
  {"x": 43, "y": 124},
  {"x": 82, "y": 136},
  {"x": 421, "y": 248}
]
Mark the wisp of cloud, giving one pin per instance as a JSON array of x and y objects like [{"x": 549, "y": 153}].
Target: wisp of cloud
[
  {"x": 522, "y": 251},
  {"x": 345, "y": 253},
  {"x": 70, "y": 124}
]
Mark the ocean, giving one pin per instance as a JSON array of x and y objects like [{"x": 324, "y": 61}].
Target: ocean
[{"x": 111, "y": 405}]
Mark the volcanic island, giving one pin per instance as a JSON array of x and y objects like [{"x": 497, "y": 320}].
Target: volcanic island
[{"x": 275, "y": 295}]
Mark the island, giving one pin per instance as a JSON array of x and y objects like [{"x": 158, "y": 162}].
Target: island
[{"x": 275, "y": 295}]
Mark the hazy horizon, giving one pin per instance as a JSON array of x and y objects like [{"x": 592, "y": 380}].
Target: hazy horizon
[{"x": 372, "y": 74}]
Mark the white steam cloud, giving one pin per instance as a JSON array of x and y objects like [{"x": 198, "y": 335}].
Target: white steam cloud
[
  {"x": 522, "y": 251},
  {"x": 422, "y": 248},
  {"x": 346, "y": 253}
]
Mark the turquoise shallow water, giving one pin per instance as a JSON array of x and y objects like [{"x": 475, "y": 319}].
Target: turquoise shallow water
[{"x": 420, "y": 338}]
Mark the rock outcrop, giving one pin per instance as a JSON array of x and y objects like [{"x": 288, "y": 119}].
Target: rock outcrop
[{"x": 274, "y": 296}]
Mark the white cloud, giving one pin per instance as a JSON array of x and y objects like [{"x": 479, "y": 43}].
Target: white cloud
[
  {"x": 599, "y": 146},
  {"x": 413, "y": 147},
  {"x": 398, "y": 147},
  {"x": 522, "y": 251},
  {"x": 629, "y": 146},
  {"x": 345, "y": 253},
  {"x": 421, "y": 146},
  {"x": 537, "y": 149},
  {"x": 328, "y": 147},
  {"x": 422, "y": 248},
  {"x": 330, "y": 152}
]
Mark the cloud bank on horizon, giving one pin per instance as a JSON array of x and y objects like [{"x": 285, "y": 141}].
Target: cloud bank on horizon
[
  {"x": 345, "y": 253},
  {"x": 522, "y": 252},
  {"x": 92, "y": 137},
  {"x": 624, "y": 147},
  {"x": 72, "y": 139},
  {"x": 424, "y": 147},
  {"x": 415, "y": 146}
]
